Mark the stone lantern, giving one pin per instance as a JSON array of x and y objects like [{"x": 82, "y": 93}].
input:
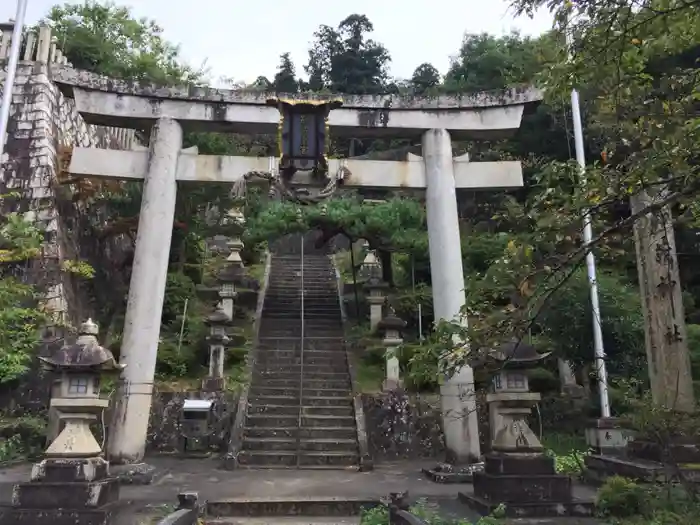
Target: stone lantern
[
  {"x": 517, "y": 472},
  {"x": 392, "y": 326},
  {"x": 511, "y": 401},
  {"x": 74, "y": 475},
  {"x": 376, "y": 297},
  {"x": 227, "y": 278},
  {"x": 235, "y": 246},
  {"x": 235, "y": 216},
  {"x": 371, "y": 267},
  {"x": 217, "y": 339}
]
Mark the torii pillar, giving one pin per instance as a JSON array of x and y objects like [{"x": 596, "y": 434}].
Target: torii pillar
[
  {"x": 146, "y": 294},
  {"x": 457, "y": 395}
]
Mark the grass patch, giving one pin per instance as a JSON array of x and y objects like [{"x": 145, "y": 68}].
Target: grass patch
[{"x": 369, "y": 377}]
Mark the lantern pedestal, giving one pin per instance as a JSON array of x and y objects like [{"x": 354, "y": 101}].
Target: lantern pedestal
[
  {"x": 65, "y": 490},
  {"x": 527, "y": 484}
]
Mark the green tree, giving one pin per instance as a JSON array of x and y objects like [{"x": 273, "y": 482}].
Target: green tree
[
  {"x": 487, "y": 62},
  {"x": 345, "y": 60},
  {"x": 109, "y": 40},
  {"x": 285, "y": 79},
  {"x": 424, "y": 78}
]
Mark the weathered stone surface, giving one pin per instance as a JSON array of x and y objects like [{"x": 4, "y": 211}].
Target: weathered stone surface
[
  {"x": 42, "y": 125},
  {"x": 402, "y": 426},
  {"x": 165, "y": 432},
  {"x": 56, "y": 517},
  {"x": 134, "y": 474}
]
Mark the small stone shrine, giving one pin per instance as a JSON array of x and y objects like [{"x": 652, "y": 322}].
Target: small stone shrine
[
  {"x": 72, "y": 484},
  {"x": 517, "y": 472}
]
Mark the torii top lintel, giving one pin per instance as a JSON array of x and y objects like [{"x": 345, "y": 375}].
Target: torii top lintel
[{"x": 106, "y": 101}]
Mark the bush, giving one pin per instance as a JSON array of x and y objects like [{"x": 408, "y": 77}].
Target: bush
[
  {"x": 178, "y": 288},
  {"x": 621, "y": 498},
  {"x": 567, "y": 320},
  {"x": 20, "y": 323}
]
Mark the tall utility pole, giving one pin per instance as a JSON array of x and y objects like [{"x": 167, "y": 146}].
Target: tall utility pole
[
  {"x": 598, "y": 349},
  {"x": 11, "y": 70}
]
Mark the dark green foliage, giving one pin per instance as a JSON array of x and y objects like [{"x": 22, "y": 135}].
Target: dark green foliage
[
  {"x": 285, "y": 79},
  {"x": 345, "y": 60},
  {"x": 108, "y": 39},
  {"x": 567, "y": 321},
  {"x": 425, "y": 78}
]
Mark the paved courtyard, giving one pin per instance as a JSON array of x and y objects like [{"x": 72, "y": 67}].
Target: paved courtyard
[{"x": 203, "y": 476}]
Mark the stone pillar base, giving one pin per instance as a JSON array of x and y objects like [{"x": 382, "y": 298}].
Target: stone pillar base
[
  {"x": 213, "y": 384},
  {"x": 389, "y": 385},
  {"x": 65, "y": 491}
]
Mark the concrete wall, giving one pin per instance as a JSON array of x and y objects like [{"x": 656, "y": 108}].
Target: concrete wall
[{"x": 43, "y": 126}]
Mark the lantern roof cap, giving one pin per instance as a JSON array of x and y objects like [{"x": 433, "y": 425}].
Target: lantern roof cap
[
  {"x": 517, "y": 353},
  {"x": 392, "y": 321},
  {"x": 84, "y": 353},
  {"x": 375, "y": 282},
  {"x": 217, "y": 317},
  {"x": 230, "y": 274}
]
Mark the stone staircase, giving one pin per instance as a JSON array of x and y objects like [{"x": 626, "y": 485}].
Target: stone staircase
[{"x": 300, "y": 410}]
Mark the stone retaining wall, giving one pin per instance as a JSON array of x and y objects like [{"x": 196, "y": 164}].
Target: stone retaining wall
[{"x": 42, "y": 128}]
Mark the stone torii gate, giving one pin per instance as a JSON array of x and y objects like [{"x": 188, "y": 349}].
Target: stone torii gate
[{"x": 169, "y": 111}]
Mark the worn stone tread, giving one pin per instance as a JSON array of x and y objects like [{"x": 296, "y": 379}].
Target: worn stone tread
[{"x": 287, "y": 520}]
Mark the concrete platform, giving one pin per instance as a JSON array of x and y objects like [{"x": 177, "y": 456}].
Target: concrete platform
[{"x": 203, "y": 476}]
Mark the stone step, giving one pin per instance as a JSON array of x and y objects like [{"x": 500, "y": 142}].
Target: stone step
[
  {"x": 289, "y": 458},
  {"x": 342, "y": 433},
  {"x": 318, "y": 401},
  {"x": 267, "y": 390},
  {"x": 265, "y": 361},
  {"x": 314, "y": 445},
  {"x": 292, "y": 288},
  {"x": 327, "y": 355},
  {"x": 296, "y": 322},
  {"x": 316, "y": 420},
  {"x": 310, "y": 381},
  {"x": 295, "y": 306},
  {"x": 285, "y": 507},
  {"x": 308, "y": 316},
  {"x": 291, "y": 410},
  {"x": 286, "y": 520},
  {"x": 309, "y": 335},
  {"x": 294, "y": 344},
  {"x": 272, "y": 367}
]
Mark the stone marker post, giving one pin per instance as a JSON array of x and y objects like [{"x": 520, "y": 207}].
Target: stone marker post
[
  {"x": 72, "y": 483},
  {"x": 457, "y": 394},
  {"x": 392, "y": 326},
  {"x": 129, "y": 427}
]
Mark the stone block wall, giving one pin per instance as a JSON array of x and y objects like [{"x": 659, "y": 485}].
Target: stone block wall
[{"x": 42, "y": 128}]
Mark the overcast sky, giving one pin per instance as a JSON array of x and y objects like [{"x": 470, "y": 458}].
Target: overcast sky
[{"x": 244, "y": 39}]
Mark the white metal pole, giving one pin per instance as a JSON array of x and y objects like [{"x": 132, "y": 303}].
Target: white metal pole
[
  {"x": 11, "y": 70},
  {"x": 599, "y": 350}
]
